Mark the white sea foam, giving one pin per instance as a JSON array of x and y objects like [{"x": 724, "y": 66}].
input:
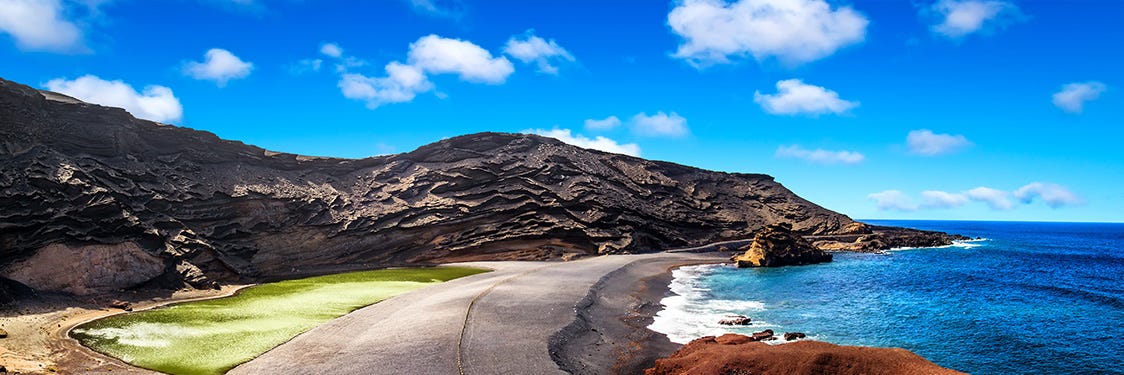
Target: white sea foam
[
  {"x": 691, "y": 313},
  {"x": 962, "y": 244}
]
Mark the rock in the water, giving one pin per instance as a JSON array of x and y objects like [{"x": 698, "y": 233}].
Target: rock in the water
[
  {"x": 729, "y": 354},
  {"x": 776, "y": 246},
  {"x": 735, "y": 320},
  {"x": 789, "y": 336},
  {"x": 762, "y": 336}
]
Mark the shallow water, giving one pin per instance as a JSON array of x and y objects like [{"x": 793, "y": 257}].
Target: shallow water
[
  {"x": 1032, "y": 298},
  {"x": 212, "y": 336}
]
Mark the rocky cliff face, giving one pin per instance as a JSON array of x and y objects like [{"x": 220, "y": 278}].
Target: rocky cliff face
[{"x": 95, "y": 184}]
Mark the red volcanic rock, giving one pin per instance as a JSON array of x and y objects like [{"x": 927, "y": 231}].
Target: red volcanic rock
[{"x": 729, "y": 354}]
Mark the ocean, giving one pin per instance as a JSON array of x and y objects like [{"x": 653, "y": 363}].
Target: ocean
[{"x": 1030, "y": 298}]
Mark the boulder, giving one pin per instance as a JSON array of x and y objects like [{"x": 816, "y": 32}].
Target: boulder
[
  {"x": 735, "y": 320},
  {"x": 119, "y": 304},
  {"x": 765, "y": 335},
  {"x": 3, "y": 334},
  {"x": 789, "y": 336},
  {"x": 777, "y": 246}
]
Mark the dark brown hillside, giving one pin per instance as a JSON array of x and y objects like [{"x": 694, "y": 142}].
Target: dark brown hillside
[{"x": 119, "y": 201}]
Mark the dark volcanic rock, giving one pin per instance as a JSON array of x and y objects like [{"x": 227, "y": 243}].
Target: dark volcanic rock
[
  {"x": 735, "y": 320},
  {"x": 880, "y": 238},
  {"x": 97, "y": 184},
  {"x": 731, "y": 355},
  {"x": 776, "y": 246},
  {"x": 789, "y": 336}
]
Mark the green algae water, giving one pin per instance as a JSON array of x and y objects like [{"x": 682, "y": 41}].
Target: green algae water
[{"x": 213, "y": 336}]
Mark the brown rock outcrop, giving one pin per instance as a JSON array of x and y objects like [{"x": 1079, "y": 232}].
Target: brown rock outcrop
[
  {"x": 730, "y": 355},
  {"x": 880, "y": 238},
  {"x": 776, "y": 245}
]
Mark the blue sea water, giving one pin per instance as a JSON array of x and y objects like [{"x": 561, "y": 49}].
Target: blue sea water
[{"x": 1031, "y": 298}]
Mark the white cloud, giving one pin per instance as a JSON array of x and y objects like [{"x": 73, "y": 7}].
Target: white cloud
[
  {"x": 820, "y": 156},
  {"x": 792, "y": 31},
  {"x": 1073, "y": 96},
  {"x": 795, "y": 97},
  {"x": 602, "y": 124},
  {"x": 402, "y": 83},
  {"x": 1053, "y": 194},
  {"x": 331, "y": 50},
  {"x": 429, "y": 55},
  {"x": 956, "y": 19},
  {"x": 39, "y": 25},
  {"x": 438, "y": 8},
  {"x": 472, "y": 63},
  {"x": 306, "y": 65},
  {"x": 893, "y": 200},
  {"x": 925, "y": 142},
  {"x": 596, "y": 143},
  {"x": 218, "y": 65},
  {"x": 942, "y": 199},
  {"x": 156, "y": 103},
  {"x": 995, "y": 198},
  {"x": 533, "y": 49},
  {"x": 660, "y": 124}
]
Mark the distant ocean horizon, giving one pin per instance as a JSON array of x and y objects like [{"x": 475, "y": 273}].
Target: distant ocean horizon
[{"x": 1030, "y": 297}]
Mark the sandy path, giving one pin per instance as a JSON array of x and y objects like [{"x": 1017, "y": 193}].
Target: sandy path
[{"x": 511, "y": 313}]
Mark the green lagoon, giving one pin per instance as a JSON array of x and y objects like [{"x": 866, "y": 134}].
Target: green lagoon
[{"x": 213, "y": 336}]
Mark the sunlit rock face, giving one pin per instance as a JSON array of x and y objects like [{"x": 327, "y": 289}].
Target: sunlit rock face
[
  {"x": 80, "y": 174},
  {"x": 85, "y": 269}
]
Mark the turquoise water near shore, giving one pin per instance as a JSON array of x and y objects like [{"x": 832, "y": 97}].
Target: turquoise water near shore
[{"x": 1031, "y": 298}]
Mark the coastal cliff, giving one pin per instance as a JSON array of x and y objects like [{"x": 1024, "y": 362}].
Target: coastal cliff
[{"x": 124, "y": 202}]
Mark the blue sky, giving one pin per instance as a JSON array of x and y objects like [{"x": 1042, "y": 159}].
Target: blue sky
[{"x": 946, "y": 109}]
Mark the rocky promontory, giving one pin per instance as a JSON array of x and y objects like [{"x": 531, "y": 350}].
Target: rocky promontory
[
  {"x": 739, "y": 354},
  {"x": 777, "y": 246}
]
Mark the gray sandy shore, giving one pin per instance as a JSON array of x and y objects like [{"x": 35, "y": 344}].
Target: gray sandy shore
[{"x": 585, "y": 316}]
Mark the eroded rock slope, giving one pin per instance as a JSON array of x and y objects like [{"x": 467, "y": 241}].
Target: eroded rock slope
[{"x": 96, "y": 184}]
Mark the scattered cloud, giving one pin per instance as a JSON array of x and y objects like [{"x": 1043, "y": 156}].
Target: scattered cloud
[
  {"x": 40, "y": 25},
  {"x": 218, "y": 65},
  {"x": 995, "y": 198},
  {"x": 893, "y": 200},
  {"x": 941, "y": 199},
  {"x": 429, "y": 55},
  {"x": 794, "y": 97},
  {"x": 956, "y": 19},
  {"x": 819, "y": 156},
  {"x": 401, "y": 84},
  {"x": 331, "y": 50},
  {"x": 156, "y": 103},
  {"x": 306, "y": 65},
  {"x": 438, "y": 8},
  {"x": 542, "y": 52},
  {"x": 660, "y": 124},
  {"x": 1073, "y": 96},
  {"x": 1053, "y": 195},
  {"x": 792, "y": 31},
  {"x": 472, "y": 63},
  {"x": 607, "y": 123},
  {"x": 925, "y": 142},
  {"x": 596, "y": 143}
]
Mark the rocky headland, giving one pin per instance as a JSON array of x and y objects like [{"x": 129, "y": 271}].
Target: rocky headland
[
  {"x": 777, "y": 246},
  {"x": 740, "y": 354}
]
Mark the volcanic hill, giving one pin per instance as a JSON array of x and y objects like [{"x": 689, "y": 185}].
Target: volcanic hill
[{"x": 94, "y": 200}]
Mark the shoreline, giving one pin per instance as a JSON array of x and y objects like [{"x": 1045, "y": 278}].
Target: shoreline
[{"x": 610, "y": 333}]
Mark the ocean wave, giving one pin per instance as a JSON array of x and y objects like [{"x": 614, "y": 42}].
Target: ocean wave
[
  {"x": 961, "y": 244},
  {"x": 692, "y": 312}
]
